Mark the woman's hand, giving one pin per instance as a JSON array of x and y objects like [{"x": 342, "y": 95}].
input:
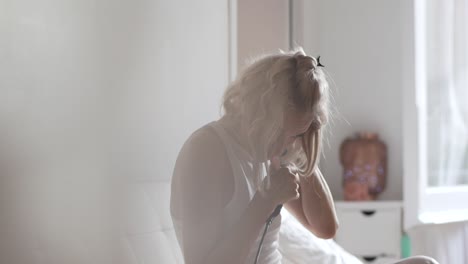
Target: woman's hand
[{"x": 284, "y": 185}]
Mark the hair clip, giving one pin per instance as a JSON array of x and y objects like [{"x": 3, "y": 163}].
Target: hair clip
[{"x": 318, "y": 62}]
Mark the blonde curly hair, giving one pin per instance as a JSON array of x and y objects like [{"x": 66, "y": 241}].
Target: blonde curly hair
[{"x": 287, "y": 79}]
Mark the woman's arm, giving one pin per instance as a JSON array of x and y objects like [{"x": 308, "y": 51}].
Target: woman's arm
[{"x": 315, "y": 208}]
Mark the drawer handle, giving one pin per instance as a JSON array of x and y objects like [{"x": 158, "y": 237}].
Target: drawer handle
[
  {"x": 368, "y": 212},
  {"x": 369, "y": 259}
]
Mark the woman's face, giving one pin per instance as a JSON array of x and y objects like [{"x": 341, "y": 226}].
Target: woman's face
[{"x": 294, "y": 127}]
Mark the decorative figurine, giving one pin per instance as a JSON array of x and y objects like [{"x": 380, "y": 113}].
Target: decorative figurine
[{"x": 364, "y": 161}]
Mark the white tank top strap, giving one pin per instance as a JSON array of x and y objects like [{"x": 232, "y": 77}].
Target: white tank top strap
[
  {"x": 227, "y": 142},
  {"x": 240, "y": 196}
]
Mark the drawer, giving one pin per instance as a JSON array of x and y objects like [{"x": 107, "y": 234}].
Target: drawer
[{"x": 370, "y": 231}]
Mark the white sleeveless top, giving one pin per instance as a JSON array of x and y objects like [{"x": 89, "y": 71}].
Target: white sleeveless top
[{"x": 245, "y": 188}]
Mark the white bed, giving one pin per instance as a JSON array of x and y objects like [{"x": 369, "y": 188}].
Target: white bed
[
  {"x": 144, "y": 234},
  {"x": 151, "y": 201},
  {"x": 298, "y": 245}
]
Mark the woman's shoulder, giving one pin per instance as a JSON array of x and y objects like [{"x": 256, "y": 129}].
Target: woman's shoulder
[
  {"x": 203, "y": 159},
  {"x": 204, "y": 152},
  {"x": 204, "y": 139}
]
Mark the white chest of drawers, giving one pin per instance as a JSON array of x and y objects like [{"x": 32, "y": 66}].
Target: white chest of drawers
[{"x": 371, "y": 230}]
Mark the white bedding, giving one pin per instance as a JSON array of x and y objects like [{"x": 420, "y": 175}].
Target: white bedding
[
  {"x": 298, "y": 245},
  {"x": 149, "y": 227}
]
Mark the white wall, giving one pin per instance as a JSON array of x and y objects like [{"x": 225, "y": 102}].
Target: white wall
[
  {"x": 176, "y": 70},
  {"x": 52, "y": 190},
  {"x": 84, "y": 81},
  {"x": 362, "y": 45},
  {"x": 263, "y": 27}
]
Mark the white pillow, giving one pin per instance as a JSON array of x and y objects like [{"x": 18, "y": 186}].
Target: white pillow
[{"x": 298, "y": 245}]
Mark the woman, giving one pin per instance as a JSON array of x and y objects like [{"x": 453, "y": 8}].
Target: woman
[{"x": 232, "y": 173}]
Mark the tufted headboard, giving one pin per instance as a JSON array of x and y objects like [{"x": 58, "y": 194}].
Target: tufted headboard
[{"x": 149, "y": 231}]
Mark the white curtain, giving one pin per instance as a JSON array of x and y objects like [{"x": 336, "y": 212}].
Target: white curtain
[
  {"x": 447, "y": 243},
  {"x": 447, "y": 112},
  {"x": 447, "y": 82}
]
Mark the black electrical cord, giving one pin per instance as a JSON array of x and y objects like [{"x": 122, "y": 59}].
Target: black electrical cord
[{"x": 267, "y": 225}]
